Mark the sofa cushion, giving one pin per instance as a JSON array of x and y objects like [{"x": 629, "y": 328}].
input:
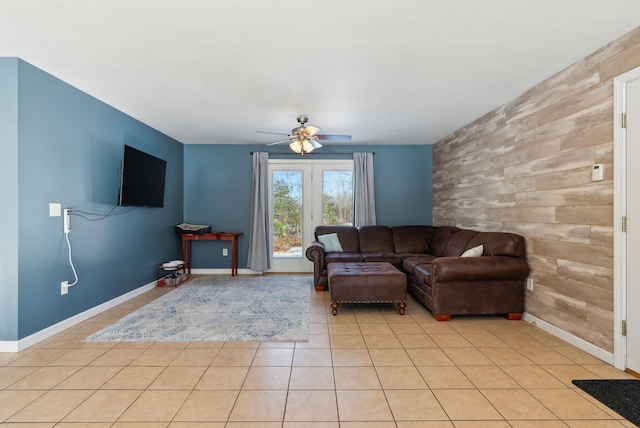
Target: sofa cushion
[
  {"x": 425, "y": 291},
  {"x": 458, "y": 243},
  {"x": 343, "y": 257},
  {"x": 383, "y": 256},
  {"x": 441, "y": 238},
  {"x": 331, "y": 243},
  {"x": 348, "y": 236},
  {"x": 412, "y": 239},
  {"x": 376, "y": 239},
  {"x": 409, "y": 262},
  {"x": 500, "y": 244},
  {"x": 423, "y": 273}
]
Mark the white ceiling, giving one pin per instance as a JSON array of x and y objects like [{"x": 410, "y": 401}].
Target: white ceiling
[{"x": 383, "y": 71}]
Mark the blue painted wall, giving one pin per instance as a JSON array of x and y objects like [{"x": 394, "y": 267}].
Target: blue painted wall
[
  {"x": 69, "y": 149},
  {"x": 217, "y": 190}
]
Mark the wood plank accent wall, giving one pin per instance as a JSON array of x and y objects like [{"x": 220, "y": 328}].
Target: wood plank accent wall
[{"x": 525, "y": 167}]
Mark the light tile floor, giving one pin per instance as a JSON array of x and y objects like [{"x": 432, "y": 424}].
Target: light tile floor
[{"x": 366, "y": 367}]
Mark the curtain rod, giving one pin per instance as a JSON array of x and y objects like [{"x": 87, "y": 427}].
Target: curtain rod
[{"x": 309, "y": 154}]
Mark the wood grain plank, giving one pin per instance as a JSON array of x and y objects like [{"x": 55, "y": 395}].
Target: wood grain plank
[
  {"x": 578, "y": 252},
  {"x": 585, "y": 195},
  {"x": 587, "y": 273},
  {"x": 577, "y": 101},
  {"x": 620, "y": 63},
  {"x": 527, "y": 215},
  {"x": 602, "y": 236},
  {"x": 571, "y": 233},
  {"x": 561, "y": 162},
  {"x": 600, "y": 215}
]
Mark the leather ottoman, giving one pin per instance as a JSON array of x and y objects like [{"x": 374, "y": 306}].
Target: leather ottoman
[{"x": 368, "y": 282}]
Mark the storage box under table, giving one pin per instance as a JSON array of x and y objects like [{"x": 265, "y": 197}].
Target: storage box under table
[{"x": 172, "y": 275}]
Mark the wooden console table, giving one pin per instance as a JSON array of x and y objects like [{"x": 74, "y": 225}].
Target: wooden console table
[{"x": 188, "y": 238}]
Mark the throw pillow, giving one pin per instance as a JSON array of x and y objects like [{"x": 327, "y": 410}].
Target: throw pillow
[
  {"x": 331, "y": 243},
  {"x": 474, "y": 252}
]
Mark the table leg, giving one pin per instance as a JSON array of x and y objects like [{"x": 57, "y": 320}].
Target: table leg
[
  {"x": 234, "y": 257},
  {"x": 184, "y": 250},
  {"x": 188, "y": 259}
]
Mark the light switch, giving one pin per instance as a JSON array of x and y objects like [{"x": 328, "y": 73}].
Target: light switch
[
  {"x": 55, "y": 210},
  {"x": 597, "y": 173}
]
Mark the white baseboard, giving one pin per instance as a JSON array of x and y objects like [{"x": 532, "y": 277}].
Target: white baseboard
[
  {"x": 224, "y": 272},
  {"x": 590, "y": 348},
  {"x": 21, "y": 344}
]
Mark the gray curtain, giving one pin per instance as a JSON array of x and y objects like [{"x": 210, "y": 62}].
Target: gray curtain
[
  {"x": 364, "y": 204},
  {"x": 259, "y": 233}
]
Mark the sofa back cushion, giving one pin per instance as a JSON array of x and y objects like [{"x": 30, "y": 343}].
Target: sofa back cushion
[
  {"x": 459, "y": 243},
  {"x": 412, "y": 239},
  {"x": 376, "y": 239},
  {"x": 348, "y": 236},
  {"x": 500, "y": 244},
  {"x": 441, "y": 238}
]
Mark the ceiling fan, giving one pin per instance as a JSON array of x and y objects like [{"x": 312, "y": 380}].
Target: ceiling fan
[{"x": 304, "y": 138}]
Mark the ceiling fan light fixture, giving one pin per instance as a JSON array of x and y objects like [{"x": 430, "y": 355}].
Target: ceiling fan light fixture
[
  {"x": 296, "y": 146},
  {"x": 307, "y": 146}
]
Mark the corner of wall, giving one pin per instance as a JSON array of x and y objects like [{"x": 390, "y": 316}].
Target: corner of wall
[{"x": 9, "y": 213}]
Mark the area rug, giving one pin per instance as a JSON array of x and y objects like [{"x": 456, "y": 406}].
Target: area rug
[
  {"x": 620, "y": 395},
  {"x": 266, "y": 308}
]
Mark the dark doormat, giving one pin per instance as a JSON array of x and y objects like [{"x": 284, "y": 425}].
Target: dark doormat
[{"x": 620, "y": 395}]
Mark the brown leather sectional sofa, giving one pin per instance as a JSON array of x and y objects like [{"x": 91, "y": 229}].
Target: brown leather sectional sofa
[{"x": 437, "y": 276}]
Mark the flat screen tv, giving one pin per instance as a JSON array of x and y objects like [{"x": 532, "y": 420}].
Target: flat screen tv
[{"x": 142, "y": 179}]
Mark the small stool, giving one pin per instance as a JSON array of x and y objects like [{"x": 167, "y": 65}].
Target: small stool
[{"x": 366, "y": 282}]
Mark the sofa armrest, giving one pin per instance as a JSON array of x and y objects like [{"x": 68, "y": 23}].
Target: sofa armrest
[
  {"x": 491, "y": 268},
  {"x": 315, "y": 252}
]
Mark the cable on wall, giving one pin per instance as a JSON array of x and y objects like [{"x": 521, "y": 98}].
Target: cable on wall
[
  {"x": 87, "y": 215},
  {"x": 73, "y": 268},
  {"x": 94, "y": 216}
]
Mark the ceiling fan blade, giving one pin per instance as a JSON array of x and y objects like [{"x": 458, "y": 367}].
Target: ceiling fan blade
[
  {"x": 272, "y": 133},
  {"x": 310, "y": 130},
  {"x": 280, "y": 142},
  {"x": 335, "y": 138},
  {"x": 315, "y": 144}
]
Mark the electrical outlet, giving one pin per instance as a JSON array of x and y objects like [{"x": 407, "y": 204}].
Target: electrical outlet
[
  {"x": 530, "y": 284},
  {"x": 225, "y": 252},
  {"x": 55, "y": 209},
  {"x": 64, "y": 287}
]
